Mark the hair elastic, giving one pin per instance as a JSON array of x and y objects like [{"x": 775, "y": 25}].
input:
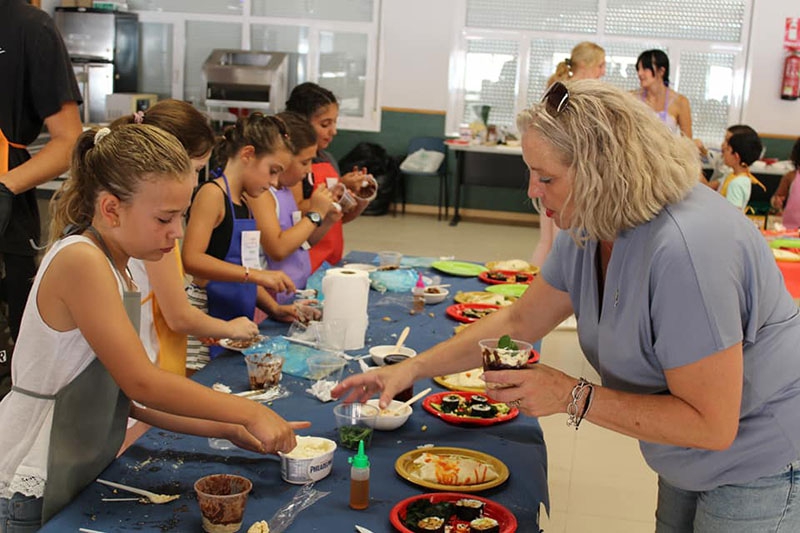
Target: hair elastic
[
  {"x": 101, "y": 133},
  {"x": 138, "y": 117}
]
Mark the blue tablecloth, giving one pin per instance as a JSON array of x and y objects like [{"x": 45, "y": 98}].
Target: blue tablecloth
[{"x": 170, "y": 463}]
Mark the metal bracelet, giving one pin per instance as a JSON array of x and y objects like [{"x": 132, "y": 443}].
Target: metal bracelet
[{"x": 581, "y": 389}]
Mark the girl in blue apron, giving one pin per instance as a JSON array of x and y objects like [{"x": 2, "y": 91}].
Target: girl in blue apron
[
  {"x": 287, "y": 233},
  {"x": 78, "y": 359},
  {"x": 222, "y": 249}
]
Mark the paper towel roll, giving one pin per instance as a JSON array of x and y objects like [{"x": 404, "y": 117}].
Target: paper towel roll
[{"x": 346, "y": 294}]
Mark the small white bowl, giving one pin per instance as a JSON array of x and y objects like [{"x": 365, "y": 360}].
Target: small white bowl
[
  {"x": 389, "y": 422},
  {"x": 378, "y": 353},
  {"x": 435, "y": 297}
]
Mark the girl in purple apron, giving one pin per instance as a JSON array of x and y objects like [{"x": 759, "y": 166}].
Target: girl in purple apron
[
  {"x": 78, "y": 359},
  {"x": 221, "y": 247},
  {"x": 286, "y": 232}
]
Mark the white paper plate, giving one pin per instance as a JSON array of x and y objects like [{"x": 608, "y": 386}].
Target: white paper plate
[{"x": 366, "y": 267}]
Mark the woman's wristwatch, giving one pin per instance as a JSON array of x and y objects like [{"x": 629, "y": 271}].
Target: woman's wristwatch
[{"x": 315, "y": 218}]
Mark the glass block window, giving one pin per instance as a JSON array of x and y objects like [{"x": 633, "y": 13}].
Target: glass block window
[
  {"x": 353, "y": 10},
  {"x": 575, "y": 16},
  {"x": 707, "y": 81},
  {"x": 155, "y": 66},
  {"x": 534, "y": 36},
  {"x": 491, "y": 79},
  {"x": 704, "y": 20},
  {"x": 218, "y": 7}
]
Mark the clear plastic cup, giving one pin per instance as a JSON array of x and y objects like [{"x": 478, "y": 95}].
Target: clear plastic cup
[
  {"x": 222, "y": 499},
  {"x": 263, "y": 369},
  {"x": 325, "y": 366},
  {"x": 369, "y": 188},
  {"x": 333, "y": 334},
  {"x": 355, "y": 422},
  {"x": 389, "y": 258},
  {"x": 496, "y": 358},
  {"x": 343, "y": 197}
]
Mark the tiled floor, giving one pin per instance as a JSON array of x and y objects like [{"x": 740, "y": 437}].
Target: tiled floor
[{"x": 599, "y": 482}]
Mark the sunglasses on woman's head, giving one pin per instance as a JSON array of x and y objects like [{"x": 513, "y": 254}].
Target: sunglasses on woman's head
[{"x": 556, "y": 98}]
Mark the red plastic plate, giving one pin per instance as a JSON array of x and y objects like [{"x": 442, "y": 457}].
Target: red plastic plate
[
  {"x": 464, "y": 420},
  {"x": 519, "y": 277},
  {"x": 456, "y": 311},
  {"x": 504, "y": 517}
]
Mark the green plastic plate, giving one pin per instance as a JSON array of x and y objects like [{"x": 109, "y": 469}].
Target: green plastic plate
[
  {"x": 508, "y": 289},
  {"x": 458, "y": 268}
]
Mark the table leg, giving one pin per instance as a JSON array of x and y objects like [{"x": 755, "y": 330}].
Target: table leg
[{"x": 459, "y": 181}]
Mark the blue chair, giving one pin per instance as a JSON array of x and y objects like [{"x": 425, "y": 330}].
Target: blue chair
[{"x": 434, "y": 144}]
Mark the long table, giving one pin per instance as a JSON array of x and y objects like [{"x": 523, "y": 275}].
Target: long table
[
  {"x": 170, "y": 463},
  {"x": 502, "y": 166}
]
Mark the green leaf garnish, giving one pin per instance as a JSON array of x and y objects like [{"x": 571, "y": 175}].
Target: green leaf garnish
[{"x": 505, "y": 342}]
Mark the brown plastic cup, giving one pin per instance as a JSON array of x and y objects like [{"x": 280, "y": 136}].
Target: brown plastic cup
[
  {"x": 222, "y": 499},
  {"x": 263, "y": 369}
]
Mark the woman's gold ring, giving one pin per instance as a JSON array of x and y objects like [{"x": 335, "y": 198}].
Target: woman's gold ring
[{"x": 515, "y": 403}]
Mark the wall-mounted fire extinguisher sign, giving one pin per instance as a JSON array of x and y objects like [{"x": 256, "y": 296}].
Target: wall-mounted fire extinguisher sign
[{"x": 790, "y": 85}]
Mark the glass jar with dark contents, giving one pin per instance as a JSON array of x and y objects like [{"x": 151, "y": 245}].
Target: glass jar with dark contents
[{"x": 393, "y": 359}]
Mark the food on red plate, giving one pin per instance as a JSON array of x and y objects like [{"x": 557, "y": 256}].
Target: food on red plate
[
  {"x": 458, "y": 515},
  {"x": 468, "y": 406}
]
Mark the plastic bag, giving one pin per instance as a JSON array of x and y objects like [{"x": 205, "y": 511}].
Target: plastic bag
[
  {"x": 400, "y": 280},
  {"x": 422, "y": 160},
  {"x": 283, "y": 517}
]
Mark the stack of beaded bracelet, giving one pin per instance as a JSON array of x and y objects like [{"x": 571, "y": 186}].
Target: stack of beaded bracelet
[{"x": 582, "y": 390}]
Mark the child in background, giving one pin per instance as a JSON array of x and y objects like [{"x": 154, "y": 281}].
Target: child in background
[
  {"x": 787, "y": 196},
  {"x": 321, "y": 109},
  {"x": 741, "y": 151},
  {"x": 284, "y": 229},
  {"x": 719, "y": 169},
  {"x": 221, "y": 247},
  {"x": 78, "y": 359},
  {"x": 167, "y": 315},
  {"x": 587, "y": 60}
]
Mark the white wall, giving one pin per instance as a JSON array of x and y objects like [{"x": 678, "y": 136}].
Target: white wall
[
  {"x": 763, "y": 108},
  {"x": 417, "y": 37}
]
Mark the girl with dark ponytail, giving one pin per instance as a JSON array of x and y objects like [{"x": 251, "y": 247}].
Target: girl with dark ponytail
[
  {"x": 78, "y": 361},
  {"x": 319, "y": 106},
  {"x": 221, "y": 248}
]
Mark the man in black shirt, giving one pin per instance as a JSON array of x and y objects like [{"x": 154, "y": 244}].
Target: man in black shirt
[{"x": 38, "y": 87}]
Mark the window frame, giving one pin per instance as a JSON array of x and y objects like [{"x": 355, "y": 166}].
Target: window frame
[
  {"x": 369, "y": 121},
  {"x": 676, "y": 47}
]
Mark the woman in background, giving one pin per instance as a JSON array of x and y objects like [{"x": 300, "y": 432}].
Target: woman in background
[
  {"x": 672, "y": 108},
  {"x": 319, "y": 106},
  {"x": 586, "y": 61}
]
